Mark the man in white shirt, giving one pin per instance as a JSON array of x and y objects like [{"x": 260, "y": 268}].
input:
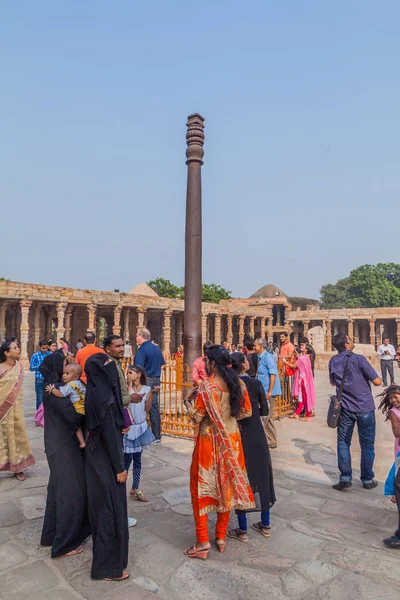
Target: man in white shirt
[{"x": 387, "y": 353}]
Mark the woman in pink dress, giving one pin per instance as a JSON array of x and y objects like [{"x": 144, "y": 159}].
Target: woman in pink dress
[{"x": 303, "y": 384}]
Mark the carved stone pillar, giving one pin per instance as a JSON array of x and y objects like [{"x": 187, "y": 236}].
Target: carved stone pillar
[
  {"x": 229, "y": 334},
  {"x": 68, "y": 317},
  {"x": 306, "y": 324},
  {"x": 372, "y": 331},
  {"x": 60, "y": 329},
  {"x": 270, "y": 326},
  {"x": 36, "y": 327},
  {"x": 350, "y": 328},
  {"x": 3, "y": 310},
  {"x": 262, "y": 327},
  {"x": 92, "y": 309},
  {"x": 141, "y": 314},
  {"x": 127, "y": 314},
  {"x": 167, "y": 331},
  {"x": 25, "y": 306},
  {"x": 251, "y": 331},
  {"x": 203, "y": 330},
  {"x": 328, "y": 329},
  {"x": 241, "y": 329},
  {"x": 193, "y": 238},
  {"x": 398, "y": 331},
  {"x": 217, "y": 329},
  {"x": 117, "y": 320}
]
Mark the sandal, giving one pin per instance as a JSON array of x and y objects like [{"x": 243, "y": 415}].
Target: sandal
[
  {"x": 293, "y": 416},
  {"x": 20, "y": 476},
  {"x": 192, "y": 552},
  {"x": 138, "y": 496},
  {"x": 263, "y": 529},
  {"x": 125, "y": 576},
  {"x": 239, "y": 535},
  {"x": 305, "y": 419},
  {"x": 75, "y": 552},
  {"x": 221, "y": 545}
]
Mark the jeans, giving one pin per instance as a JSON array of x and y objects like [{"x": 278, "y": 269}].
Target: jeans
[
  {"x": 387, "y": 365},
  {"x": 242, "y": 519},
  {"x": 155, "y": 419},
  {"x": 366, "y": 435},
  {"x": 136, "y": 458},
  {"x": 39, "y": 392}
]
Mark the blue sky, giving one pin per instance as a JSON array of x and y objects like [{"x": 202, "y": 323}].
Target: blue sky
[{"x": 301, "y": 168}]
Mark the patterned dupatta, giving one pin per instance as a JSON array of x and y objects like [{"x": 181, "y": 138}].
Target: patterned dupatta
[
  {"x": 232, "y": 485},
  {"x": 10, "y": 388}
]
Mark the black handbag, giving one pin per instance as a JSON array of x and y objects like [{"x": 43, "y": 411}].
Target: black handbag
[{"x": 335, "y": 401}]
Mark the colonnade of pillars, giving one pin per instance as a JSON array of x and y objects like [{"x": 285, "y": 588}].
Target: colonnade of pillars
[{"x": 361, "y": 330}]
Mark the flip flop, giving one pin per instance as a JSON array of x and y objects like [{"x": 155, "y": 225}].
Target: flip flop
[
  {"x": 20, "y": 476},
  {"x": 221, "y": 545},
  {"x": 138, "y": 496},
  {"x": 125, "y": 576},
  {"x": 75, "y": 552}
]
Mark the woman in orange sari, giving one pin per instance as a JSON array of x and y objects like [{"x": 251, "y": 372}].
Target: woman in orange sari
[
  {"x": 218, "y": 477},
  {"x": 15, "y": 450}
]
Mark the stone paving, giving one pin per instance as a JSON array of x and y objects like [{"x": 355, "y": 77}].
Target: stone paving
[{"x": 325, "y": 545}]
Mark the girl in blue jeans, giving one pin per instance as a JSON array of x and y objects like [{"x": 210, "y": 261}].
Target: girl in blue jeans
[{"x": 139, "y": 435}]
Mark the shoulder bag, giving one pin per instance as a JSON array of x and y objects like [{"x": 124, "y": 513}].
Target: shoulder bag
[{"x": 336, "y": 401}]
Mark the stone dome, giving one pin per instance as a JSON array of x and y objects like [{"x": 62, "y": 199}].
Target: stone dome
[
  {"x": 268, "y": 291},
  {"x": 142, "y": 289}
]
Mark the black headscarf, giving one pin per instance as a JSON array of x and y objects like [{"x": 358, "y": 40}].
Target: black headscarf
[
  {"x": 102, "y": 391},
  {"x": 52, "y": 367}
]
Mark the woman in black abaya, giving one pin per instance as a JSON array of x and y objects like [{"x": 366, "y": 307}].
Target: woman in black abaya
[
  {"x": 105, "y": 469},
  {"x": 256, "y": 454},
  {"x": 66, "y": 522}
]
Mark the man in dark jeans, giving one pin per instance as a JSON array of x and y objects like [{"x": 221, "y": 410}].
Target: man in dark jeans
[
  {"x": 358, "y": 406},
  {"x": 150, "y": 357}
]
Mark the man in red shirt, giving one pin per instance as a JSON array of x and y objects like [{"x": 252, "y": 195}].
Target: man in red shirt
[
  {"x": 89, "y": 349},
  {"x": 287, "y": 350}
]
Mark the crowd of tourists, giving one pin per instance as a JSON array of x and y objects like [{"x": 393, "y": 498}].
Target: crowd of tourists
[{"x": 96, "y": 428}]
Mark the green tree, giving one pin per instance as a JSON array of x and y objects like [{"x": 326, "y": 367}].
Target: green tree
[
  {"x": 214, "y": 293},
  {"x": 210, "y": 291},
  {"x": 368, "y": 286},
  {"x": 166, "y": 289}
]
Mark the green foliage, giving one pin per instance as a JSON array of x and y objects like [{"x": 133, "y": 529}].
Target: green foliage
[
  {"x": 210, "y": 291},
  {"x": 368, "y": 286},
  {"x": 214, "y": 293},
  {"x": 166, "y": 289}
]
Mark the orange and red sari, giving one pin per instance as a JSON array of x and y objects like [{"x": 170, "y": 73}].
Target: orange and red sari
[{"x": 218, "y": 477}]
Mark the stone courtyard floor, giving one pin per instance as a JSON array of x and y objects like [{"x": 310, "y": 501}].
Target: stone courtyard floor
[{"x": 325, "y": 545}]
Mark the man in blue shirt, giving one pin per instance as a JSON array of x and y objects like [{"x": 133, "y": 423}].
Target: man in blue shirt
[
  {"x": 358, "y": 406},
  {"x": 150, "y": 357},
  {"x": 268, "y": 375},
  {"x": 34, "y": 365}
]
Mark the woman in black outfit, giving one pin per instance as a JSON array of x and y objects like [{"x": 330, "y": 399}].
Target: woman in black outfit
[
  {"x": 105, "y": 469},
  {"x": 66, "y": 522},
  {"x": 256, "y": 454}
]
